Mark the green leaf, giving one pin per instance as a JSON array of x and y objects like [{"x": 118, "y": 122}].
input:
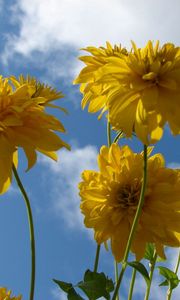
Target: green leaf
[
  {"x": 170, "y": 276},
  {"x": 109, "y": 285},
  {"x": 141, "y": 269},
  {"x": 65, "y": 286},
  {"x": 149, "y": 252},
  {"x": 89, "y": 275},
  {"x": 96, "y": 285},
  {"x": 72, "y": 295},
  {"x": 164, "y": 283},
  {"x": 68, "y": 288}
]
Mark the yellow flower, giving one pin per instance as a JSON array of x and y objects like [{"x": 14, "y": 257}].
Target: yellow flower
[
  {"x": 24, "y": 123},
  {"x": 94, "y": 91},
  {"x": 110, "y": 198},
  {"x": 142, "y": 90},
  {"x": 6, "y": 295}
]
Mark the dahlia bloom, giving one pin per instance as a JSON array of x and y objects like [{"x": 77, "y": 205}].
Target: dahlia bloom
[
  {"x": 95, "y": 91},
  {"x": 110, "y": 198},
  {"x": 142, "y": 90},
  {"x": 6, "y": 295},
  {"x": 24, "y": 123}
]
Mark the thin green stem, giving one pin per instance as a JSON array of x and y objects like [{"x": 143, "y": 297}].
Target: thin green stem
[
  {"x": 109, "y": 141},
  {"x": 132, "y": 284},
  {"x": 152, "y": 266},
  {"x": 135, "y": 223},
  {"x": 118, "y": 136},
  {"x": 140, "y": 205},
  {"x": 109, "y": 144},
  {"x": 121, "y": 135},
  {"x": 97, "y": 258},
  {"x": 169, "y": 292},
  {"x": 31, "y": 231},
  {"x": 177, "y": 265},
  {"x": 99, "y": 246},
  {"x": 123, "y": 268},
  {"x": 116, "y": 275}
]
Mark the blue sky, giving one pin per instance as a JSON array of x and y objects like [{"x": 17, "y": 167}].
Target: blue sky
[{"x": 43, "y": 38}]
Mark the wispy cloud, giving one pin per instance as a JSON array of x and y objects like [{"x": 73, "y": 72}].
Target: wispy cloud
[
  {"x": 57, "y": 294},
  {"x": 64, "y": 177},
  {"x": 50, "y": 26}
]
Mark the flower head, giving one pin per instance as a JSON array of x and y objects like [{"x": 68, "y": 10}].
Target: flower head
[
  {"x": 24, "y": 123},
  {"x": 142, "y": 90},
  {"x": 95, "y": 91},
  {"x": 6, "y": 295},
  {"x": 110, "y": 198}
]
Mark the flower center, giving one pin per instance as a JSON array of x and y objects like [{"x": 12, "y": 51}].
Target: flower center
[
  {"x": 128, "y": 196},
  {"x": 151, "y": 77}
]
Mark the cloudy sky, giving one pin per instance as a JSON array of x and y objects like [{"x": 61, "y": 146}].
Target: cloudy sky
[{"x": 43, "y": 38}]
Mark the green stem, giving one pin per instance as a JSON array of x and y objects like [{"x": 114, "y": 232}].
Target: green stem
[
  {"x": 121, "y": 135},
  {"x": 177, "y": 265},
  {"x": 31, "y": 230},
  {"x": 124, "y": 265},
  {"x": 97, "y": 258},
  {"x": 99, "y": 246},
  {"x": 152, "y": 266},
  {"x": 135, "y": 223},
  {"x": 109, "y": 144},
  {"x": 169, "y": 292},
  {"x": 132, "y": 284},
  {"x": 118, "y": 136},
  {"x": 109, "y": 134},
  {"x": 116, "y": 276}
]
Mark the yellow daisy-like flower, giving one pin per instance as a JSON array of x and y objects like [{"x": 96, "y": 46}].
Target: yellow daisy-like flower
[
  {"x": 142, "y": 90},
  {"x": 24, "y": 123},
  {"x": 95, "y": 91},
  {"x": 110, "y": 198},
  {"x": 6, "y": 295}
]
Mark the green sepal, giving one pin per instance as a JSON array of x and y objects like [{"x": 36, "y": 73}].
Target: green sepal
[
  {"x": 149, "y": 252},
  {"x": 164, "y": 283},
  {"x": 141, "y": 269},
  {"x": 170, "y": 277},
  {"x": 96, "y": 285}
]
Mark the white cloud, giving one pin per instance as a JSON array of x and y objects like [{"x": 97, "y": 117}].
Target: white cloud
[
  {"x": 64, "y": 178},
  {"x": 47, "y": 26},
  {"x": 58, "y": 294}
]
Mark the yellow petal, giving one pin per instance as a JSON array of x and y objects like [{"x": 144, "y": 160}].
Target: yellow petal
[{"x": 31, "y": 156}]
